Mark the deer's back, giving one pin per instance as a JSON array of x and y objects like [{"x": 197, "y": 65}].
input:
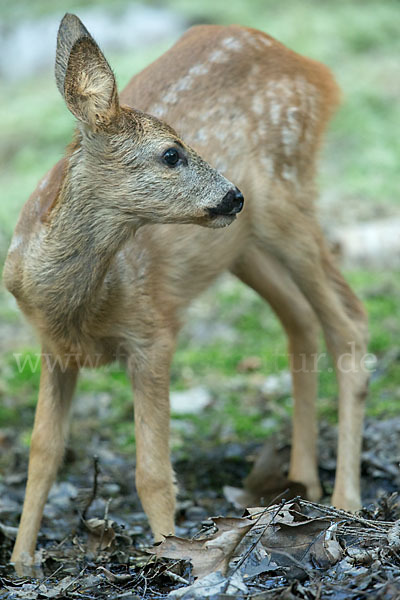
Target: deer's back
[
  {"x": 239, "y": 96},
  {"x": 253, "y": 109}
]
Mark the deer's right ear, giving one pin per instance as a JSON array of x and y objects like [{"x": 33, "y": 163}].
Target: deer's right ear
[{"x": 83, "y": 75}]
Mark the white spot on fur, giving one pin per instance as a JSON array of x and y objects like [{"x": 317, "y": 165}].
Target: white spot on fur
[
  {"x": 16, "y": 242},
  {"x": 291, "y": 131},
  {"x": 278, "y": 93},
  {"x": 268, "y": 164},
  {"x": 201, "y": 135},
  {"x": 275, "y": 112},
  {"x": 198, "y": 69},
  {"x": 250, "y": 38},
  {"x": 171, "y": 96},
  {"x": 158, "y": 110},
  {"x": 44, "y": 182},
  {"x": 308, "y": 97},
  {"x": 206, "y": 115},
  {"x": 257, "y": 105},
  {"x": 289, "y": 172},
  {"x": 263, "y": 129},
  {"x": 184, "y": 83},
  {"x": 232, "y": 44},
  {"x": 218, "y": 56},
  {"x": 221, "y": 132},
  {"x": 36, "y": 206},
  {"x": 253, "y": 85},
  {"x": 264, "y": 40}
]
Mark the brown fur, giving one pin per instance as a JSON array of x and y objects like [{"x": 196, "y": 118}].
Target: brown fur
[{"x": 103, "y": 266}]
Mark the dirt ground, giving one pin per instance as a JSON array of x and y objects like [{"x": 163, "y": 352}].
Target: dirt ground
[{"x": 94, "y": 536}]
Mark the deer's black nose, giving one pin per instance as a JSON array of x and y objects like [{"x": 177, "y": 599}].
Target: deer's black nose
[{"x": 231, "y": 204}]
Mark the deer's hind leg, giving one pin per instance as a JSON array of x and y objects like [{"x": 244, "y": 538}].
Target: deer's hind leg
[
  {"x": 289, "y": 231},
  {"x": 271, "y": 280},
  {"x": 349, "y": 351}
]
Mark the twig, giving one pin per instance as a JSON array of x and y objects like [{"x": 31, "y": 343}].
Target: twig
[
  {"x": 342, "y": 513},
  {"x": 49, "y": 577},
  {"x": 52, "y": 575},
  {"x": 94, "y": 487},
  {"x": 293, "y": 559},
  {"x": 280, "y": 496},
  {"x": 75, "y": 579},
  {"x": 175, "y": 577},
  {"x": 258, "y": 538},
  {"x": 105, "y": 528}
]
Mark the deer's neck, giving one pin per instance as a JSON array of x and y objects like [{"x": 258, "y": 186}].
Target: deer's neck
[{"x": 72, "y": 266}]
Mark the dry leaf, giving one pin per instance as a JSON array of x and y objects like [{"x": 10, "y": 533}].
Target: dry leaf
[
  {"x": 296, "y": 541},
  {"x": 211, "y": 554},
  {"x": 332, "y": 547},
  {"x": 101, "y": 534},
  {"x": 209, "y": 586}
]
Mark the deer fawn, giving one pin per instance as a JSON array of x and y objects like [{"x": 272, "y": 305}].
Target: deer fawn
[{"x": 103, "y": 268}]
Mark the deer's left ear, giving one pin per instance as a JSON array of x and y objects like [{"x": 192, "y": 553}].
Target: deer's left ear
[{"x": 83, "y": 75}]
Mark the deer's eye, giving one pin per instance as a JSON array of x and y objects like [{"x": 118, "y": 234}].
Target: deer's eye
[{"x": 171, "y": 157}]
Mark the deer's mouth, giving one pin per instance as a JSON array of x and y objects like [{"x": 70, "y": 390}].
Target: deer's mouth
[
  {"x": 222, "y": 220},
  {"x": 216, "y": 221}
]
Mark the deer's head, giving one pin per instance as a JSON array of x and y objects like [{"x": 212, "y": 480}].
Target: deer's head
[{"x": 136, "y": 165}]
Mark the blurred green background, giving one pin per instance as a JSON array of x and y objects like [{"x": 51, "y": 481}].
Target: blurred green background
[{"x": 358, "y": 178}]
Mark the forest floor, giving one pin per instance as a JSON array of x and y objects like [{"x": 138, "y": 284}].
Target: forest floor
[{"x": 94, "y": 539}]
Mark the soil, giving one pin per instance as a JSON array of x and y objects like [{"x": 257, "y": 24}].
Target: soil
[{"x": 94, "y": 536}]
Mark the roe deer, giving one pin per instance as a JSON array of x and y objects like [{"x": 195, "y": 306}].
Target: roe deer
[{"x": 101, "y": 266}]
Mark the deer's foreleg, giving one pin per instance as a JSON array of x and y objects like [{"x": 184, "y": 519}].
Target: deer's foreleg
[
  {"x": 154, "y": 474},
  {"x": 47, "y": 447}
]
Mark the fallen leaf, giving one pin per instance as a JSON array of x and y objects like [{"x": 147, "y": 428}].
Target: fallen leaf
[
  {"x": 58, "y": 590},
  {"x": 101, "y": 534},
  {"x": 210, "y": 554},
  {"x": 257, "y": 566},
  {"x": 361, "y": 556},
  {"x": 209, "y": 586},
  {"x": 332, "y": 547},
  {"x": 296, "y": 541},
  {"x": 212, "y": 585}
]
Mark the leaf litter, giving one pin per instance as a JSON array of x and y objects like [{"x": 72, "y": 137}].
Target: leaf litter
[
  {"x": 295, "y": 541},
  {"x": 290, "y": 549}
]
